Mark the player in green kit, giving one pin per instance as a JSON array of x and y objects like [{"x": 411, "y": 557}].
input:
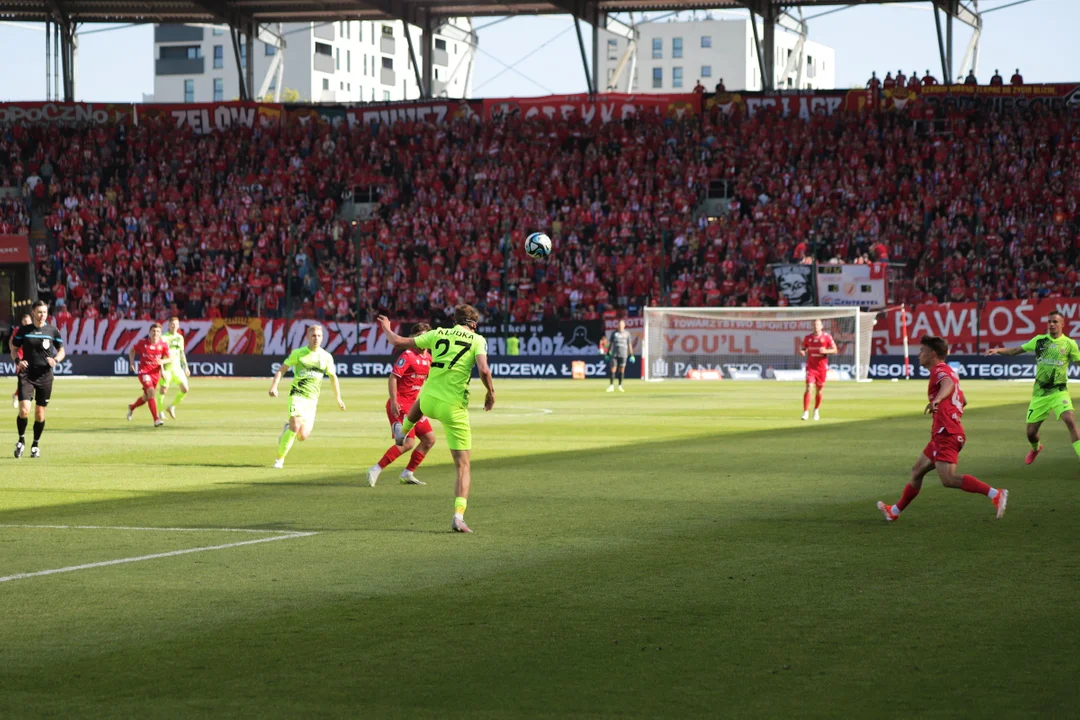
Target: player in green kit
[
  {"x": 445, "y": 397},
  {"x": 310, "y": 364},
  {"x": 1053, "y": 354},
  {"x": 176, "y": 369}
]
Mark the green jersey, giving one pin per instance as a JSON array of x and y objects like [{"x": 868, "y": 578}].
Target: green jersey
[
  {"x": 453, "y": 354},
  {"x": 176, "y": 344},
  {"x": 1052, "y": 358},
  {"x": 309, "y": 368}
]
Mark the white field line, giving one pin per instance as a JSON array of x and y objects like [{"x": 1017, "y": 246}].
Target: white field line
[
  {"x": 278, "y": 535},
  {"x": 157, "y": 529}
]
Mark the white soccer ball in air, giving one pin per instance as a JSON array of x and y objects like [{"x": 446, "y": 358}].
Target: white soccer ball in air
[{"x": 538, "y": 245}]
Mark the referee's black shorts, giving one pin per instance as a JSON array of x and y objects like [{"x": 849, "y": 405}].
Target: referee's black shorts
[{"x": 36, "y": 386}]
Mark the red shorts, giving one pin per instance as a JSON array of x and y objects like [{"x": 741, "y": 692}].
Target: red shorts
[
  {"x": 149, "y": 381},
  {"x": 945, "y": 448},
  {"x": 423, "y": 427},
  {"x": 816, "y": 376}
]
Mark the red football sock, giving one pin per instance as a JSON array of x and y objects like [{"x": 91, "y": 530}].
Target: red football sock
[
  {"x": 138, "y": 403},
  {"x": 415, "y": 459},
  {"x": 817, "y": 401},
  {"x": 805, "y": 401},
  {"x": 390, "y": 456},
  {"x": 909, "y": 494},
  {"x": 153, "y": 407},
  {"x": 972, "y": 484}
]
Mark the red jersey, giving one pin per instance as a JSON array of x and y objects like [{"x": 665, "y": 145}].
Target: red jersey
[
  {"x": 411, "y": 370},
  {"x": 151, "y": 355},
  {"x": 813, "y": 345},
  {"x": 951, "y": 410}
]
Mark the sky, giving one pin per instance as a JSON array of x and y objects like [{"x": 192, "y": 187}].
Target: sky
[{"x": 1038, "y": 37}]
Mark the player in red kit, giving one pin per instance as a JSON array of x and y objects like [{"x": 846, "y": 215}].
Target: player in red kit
[
  {"x": 816, "y": 348},
  {"x": 407, "y": 377},
  {"x": 946, "y": 436},
  {"x": 152, "y": 352}
]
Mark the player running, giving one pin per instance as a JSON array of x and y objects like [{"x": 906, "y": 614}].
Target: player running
[
  {"x": 619, "y": 349},
  {"x": 36, "y": 348},
  {"x": 26, "y": 320},
  {"x": 153, "y": 352},
  {"x": 407, "y": 377},
  {"x": 1053, "y": 354},
  {"x": 445, "y": 396},
  {"x": 175, "y": 369},
  {"x": 310, "y": 364},
  {"x": 816, "y": 348},
  {"x": 946, "y": 435}
]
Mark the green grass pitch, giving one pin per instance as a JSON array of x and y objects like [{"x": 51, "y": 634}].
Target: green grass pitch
[{"x": 680, "y": 550}]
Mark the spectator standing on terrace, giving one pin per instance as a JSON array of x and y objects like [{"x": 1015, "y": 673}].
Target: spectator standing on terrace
[
  {"x": 1017, "y": 78},
  {"x": 996, "y": 80}
]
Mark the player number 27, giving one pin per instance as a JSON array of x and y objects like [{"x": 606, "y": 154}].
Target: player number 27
[{"x": 442, "y": 346}]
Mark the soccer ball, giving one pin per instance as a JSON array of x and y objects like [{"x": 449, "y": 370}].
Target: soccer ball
[{"x": 538, "y": 245}]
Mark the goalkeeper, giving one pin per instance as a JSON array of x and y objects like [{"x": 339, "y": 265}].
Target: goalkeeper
[{"x": 619, "y": 348}]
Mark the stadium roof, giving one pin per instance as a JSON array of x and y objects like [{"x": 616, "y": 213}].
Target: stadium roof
[{"x": 265, "y": 11}]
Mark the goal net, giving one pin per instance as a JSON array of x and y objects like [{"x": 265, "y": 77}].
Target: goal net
[{"x": 750, "y": 343}]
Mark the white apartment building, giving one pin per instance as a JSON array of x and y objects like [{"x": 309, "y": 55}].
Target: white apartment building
[
  {"x": 331, "y": 62},
  {"x": 674, "y": 56}
]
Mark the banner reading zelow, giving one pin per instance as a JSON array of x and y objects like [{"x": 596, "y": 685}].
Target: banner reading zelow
[
  {"x": 203, "y": 118},
  {"x": 595, "y": 109},
  {"x": 62, "y": 113},
  {"x": 1003, "y": 323},
  {"x": 14, "y": 249}
]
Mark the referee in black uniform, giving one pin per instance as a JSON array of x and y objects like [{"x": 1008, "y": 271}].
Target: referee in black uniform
[{"x": 42, "y": 349}]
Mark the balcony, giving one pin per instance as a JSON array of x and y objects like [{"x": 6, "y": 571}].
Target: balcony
[
  {"x": 386, "y": 44},
  {"x": 387, "y": 77},
  {"x": 440, "y": 57},
  {"x": 180, "y": 66},
  {"x": 178, "y": 34},
  {"x": 323, "y": 63},
  {"x": 325, "y": 31}
]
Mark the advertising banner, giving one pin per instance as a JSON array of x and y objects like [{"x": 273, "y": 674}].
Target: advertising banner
[
  {"x": 1003, "y": 323},
  {"x": 203, "y": 118},
  {"x": 347, "y": 366},
  {"x": 852, "y": 285},
  {"x": 66, "y": 113},
  {"x": 550, "y": 337},
  {"x": 594, "y": 109},
  {"x": 14, "y": 249}
]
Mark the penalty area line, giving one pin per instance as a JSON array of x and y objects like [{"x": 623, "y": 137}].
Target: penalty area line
[
  {"x": 155, "y": 556},
  {"x": 156, "y": 529}
]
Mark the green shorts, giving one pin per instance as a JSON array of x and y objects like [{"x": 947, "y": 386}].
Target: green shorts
[
  {"x": 1042, "y": 405},
  {"x": 454, "y": 418},
  {"x": 303, "y": 408},
  {"x": 175, "y": 376}
]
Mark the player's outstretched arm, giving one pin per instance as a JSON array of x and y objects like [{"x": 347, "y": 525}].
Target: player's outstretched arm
[
  {"x": 1006, "y": 351},
  {"x": 486, "y": 378},
  {"x": 399, "y": 343}
]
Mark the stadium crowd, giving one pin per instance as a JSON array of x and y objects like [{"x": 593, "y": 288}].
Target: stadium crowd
[{"x": 146, "y": 221}]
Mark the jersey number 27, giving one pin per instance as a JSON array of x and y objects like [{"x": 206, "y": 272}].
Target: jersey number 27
[{"x": 442, "y": 347}]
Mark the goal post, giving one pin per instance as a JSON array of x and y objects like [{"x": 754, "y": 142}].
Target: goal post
[{"x": 745, "y": 341}]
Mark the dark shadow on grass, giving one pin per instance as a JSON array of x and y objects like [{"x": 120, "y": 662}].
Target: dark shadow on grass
[{"x": 793, "y": 445}]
